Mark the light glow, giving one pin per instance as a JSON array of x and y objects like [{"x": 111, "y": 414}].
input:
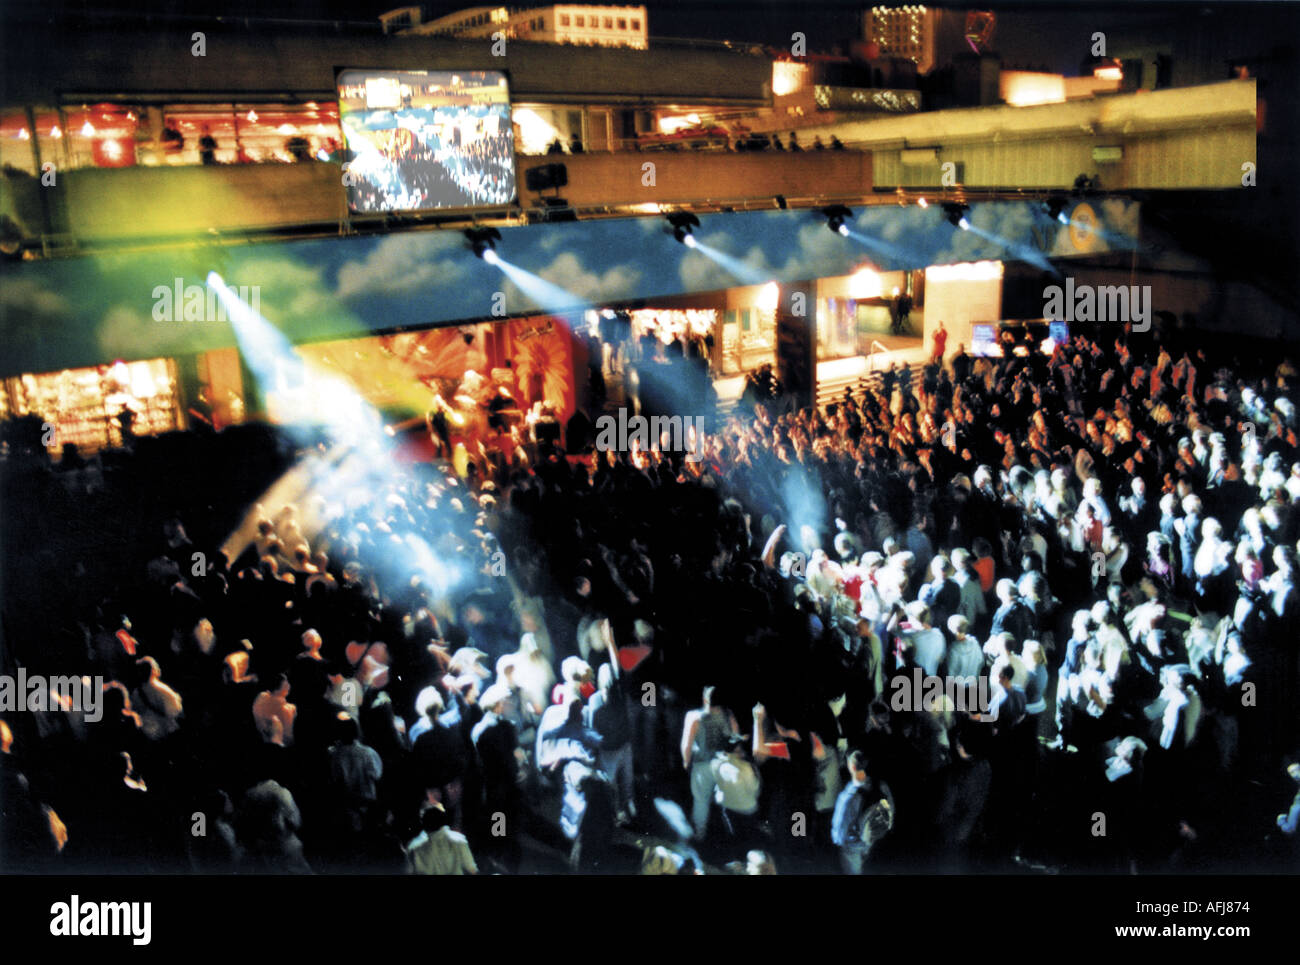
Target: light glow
[
  {"x": 865, "y": 283},
  {"x": 965, "y": 271},
  {"x": 787, "y": 77},
  {"x": 1022, "y": 88}
]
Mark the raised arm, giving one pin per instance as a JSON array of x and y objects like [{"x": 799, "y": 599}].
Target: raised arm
[
  {"x": 769, "y": 549},
  {"x": 688, "y": 736}
]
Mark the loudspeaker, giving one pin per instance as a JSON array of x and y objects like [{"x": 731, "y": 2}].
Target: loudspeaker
[{"x": 546, "y": 176}]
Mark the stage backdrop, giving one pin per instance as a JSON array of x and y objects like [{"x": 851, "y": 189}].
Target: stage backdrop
[{"x": 83, "y": 311}]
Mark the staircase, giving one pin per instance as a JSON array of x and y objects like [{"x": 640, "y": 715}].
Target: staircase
[{"x": 832, "y": 390}]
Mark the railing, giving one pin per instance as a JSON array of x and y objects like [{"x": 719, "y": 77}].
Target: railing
[{"x": 871, "y": 356}]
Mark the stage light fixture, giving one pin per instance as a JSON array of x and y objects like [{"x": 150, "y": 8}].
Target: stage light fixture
[
  {"x": 923, "y": 203},
  {"x": 482, "y": 241},
  {"x": 684, "y": 223},
  {"x": 1055, "y": 208},
  {"x": 956, "y": 215},
  {"x": 837, "y": 216}
]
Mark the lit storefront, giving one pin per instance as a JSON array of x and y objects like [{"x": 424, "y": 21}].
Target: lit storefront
[
  {"x": 853, "y": 310},
  {"x": 749, "y": 328},
  {"x": 87, "y": 406},
  {"x": 115, "y": 135}
]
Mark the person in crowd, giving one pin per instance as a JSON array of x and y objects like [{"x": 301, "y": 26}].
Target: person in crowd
[
  {"x": 609, "y": 715},
  {"x": 355, "y": 770},
  {"x": 705, "y": 733},
  {"x": 856, "y": 820},
  {"x": 737, "y": 788},
  {"x": 439, "y": 849},
  {"x": 273, "y": 712}
]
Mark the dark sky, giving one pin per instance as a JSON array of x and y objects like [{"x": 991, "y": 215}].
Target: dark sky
[{"x": 1028, "y": 32}]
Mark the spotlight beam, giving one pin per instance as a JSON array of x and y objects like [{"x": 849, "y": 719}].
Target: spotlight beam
[
  {"x": 361, "y": 461},
  {"x": 1017, "y": 250},
  {"x": 891, "y": 254},
  {"x": 545, "y": 294},
  {"x": 746, "y": 273}
]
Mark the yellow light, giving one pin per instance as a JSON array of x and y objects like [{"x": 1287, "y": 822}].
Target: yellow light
[
  {"x": 23, "y": 135},
  {"x": 1025, "y": 89},
  {"x": 864, "y": 283},
  {"x": 1108, "y": 73},
  {"x": 88, "y": 129},
  {"x": 671, "y": 125},
  {"x": 113, "y": 150},
  {"x": 252, "y": 117},
  {"x": 55, "y": 132},
  {"x": 786, "y": 77},
  {"x": 965, "y": 271},
  {"x": 769, "y": 296}
]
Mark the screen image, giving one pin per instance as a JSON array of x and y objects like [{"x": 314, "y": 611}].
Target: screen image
[
  {"x": 984, "y": 340},
  {"x": 420, "y": 140},
  {"x": 1059, "y": 331}
]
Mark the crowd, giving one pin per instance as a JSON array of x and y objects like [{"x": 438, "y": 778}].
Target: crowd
[
  {"x": 1099, "y": 549},
  {"x": 432, "y": 174}
]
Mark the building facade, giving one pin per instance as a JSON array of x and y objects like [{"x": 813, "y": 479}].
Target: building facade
[
  {"x": 907, "y": 31},
  {"x": 602, "y": 26}
]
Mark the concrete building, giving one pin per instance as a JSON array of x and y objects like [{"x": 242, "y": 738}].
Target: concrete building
[
  {"x": 908, "y": 31},
  {"x": 603, "y": 26}
]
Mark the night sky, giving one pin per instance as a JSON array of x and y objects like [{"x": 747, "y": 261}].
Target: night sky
[{"x": 1028, "y": 33}]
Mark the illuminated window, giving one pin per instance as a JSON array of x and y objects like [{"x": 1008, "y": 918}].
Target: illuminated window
[
  {"x": 582, "y": 21},
  {"x": 609, "y": 23},
  {"x": 564, "y": 20},
  {"x": 622, "y": 24},
  {"x": 16, "y": 141},
  {"x": 636, "y": 24}
]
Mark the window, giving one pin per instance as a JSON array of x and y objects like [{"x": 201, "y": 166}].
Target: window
[
  {"x": 564, "y": 20},
  {"x": 582, "y": 21},
  {"x": 245, "y": 133},
  {"x": 636, "y": 25},
  {"x": 609, "y": 23},
  {"x": 16, "y": 142},
  {"x": 622, "y": 24}
]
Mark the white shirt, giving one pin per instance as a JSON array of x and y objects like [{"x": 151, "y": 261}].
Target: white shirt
[
  {"x": 445, "y": 852},
  {"x": 738, "y": 784}
]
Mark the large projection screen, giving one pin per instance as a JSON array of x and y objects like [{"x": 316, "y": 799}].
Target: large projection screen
[{"x": 420, "y": 140}]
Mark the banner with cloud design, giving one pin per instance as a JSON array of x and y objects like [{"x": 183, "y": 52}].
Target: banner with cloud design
[{"x": 83, "y": 311}]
